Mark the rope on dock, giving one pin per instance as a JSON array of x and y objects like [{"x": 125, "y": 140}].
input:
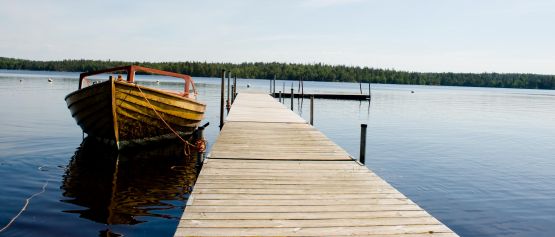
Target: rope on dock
[{"x": 27, "y": 201}]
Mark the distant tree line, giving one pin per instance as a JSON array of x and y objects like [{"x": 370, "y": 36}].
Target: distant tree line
[{"x": 308, "y": 72}]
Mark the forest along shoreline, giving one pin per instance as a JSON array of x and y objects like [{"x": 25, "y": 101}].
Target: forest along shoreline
[{"x": 306, "y": 72}]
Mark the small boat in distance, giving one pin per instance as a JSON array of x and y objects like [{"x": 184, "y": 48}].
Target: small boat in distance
[{"x": 122, "y": 113}]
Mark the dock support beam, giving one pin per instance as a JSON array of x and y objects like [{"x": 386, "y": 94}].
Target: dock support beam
[
  {"x": 362, "y": 158},
  {"x": 222, "y": 101}
]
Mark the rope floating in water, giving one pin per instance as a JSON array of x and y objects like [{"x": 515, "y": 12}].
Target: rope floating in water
[{"x": 27, "y": 201}]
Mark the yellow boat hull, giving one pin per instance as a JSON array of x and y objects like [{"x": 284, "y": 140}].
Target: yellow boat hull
[{"x": 127, "y": 114}]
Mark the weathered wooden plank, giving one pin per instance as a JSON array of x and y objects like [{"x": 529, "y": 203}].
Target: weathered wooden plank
[
  {"x": 318, "y": 231},
  {"x": 289, "y": 186},
  {"x": 326, "y": 172},
  {"x": 301, "y": 215},
  {"x": 307, "y": 177},
  {"x": 304, "y": 197},
  {"x": 290, "y": 182},
  {"x": 320, "y": 202},
  {"x": 288, "y": 174},
  {"x": 298, "y": 208},
  {"x": 277, "y": 166},
  {"x": 296, "y": 191},
  {"x": 286, "y": 162},
  {"x": 346, "y": 222}
]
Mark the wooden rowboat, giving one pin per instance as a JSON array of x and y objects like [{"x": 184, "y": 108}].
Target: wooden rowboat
[{"x": 122, "y": 113}]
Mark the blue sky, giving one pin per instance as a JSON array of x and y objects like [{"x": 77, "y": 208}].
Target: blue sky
[{"x": 412, "y": 35}]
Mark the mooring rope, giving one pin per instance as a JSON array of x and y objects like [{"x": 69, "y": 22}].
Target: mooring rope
[
  {"x": 27, "y": 201},
  {"x": 187, "y": 144}
]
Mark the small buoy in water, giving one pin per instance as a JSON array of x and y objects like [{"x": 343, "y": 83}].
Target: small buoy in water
[
  {"x": 49, "y": 79},
  {"x": 411, "y": 91},
  {"x": 248, "y": 85}
]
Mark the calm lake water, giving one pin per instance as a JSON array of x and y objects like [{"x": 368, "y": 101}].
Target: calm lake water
[{"x": 481, "y": 160}]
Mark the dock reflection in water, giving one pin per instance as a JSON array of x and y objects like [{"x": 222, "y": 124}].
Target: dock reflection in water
[{"x": 123, "y": 188}]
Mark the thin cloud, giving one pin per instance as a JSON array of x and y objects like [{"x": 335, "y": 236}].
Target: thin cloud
[{"x": 328, "y": 3}]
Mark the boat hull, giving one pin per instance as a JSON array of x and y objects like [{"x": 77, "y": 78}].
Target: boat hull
[{"x": 126, "y": 114}]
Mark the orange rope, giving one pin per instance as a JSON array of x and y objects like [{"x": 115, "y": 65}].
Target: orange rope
[{"x": 164, "y": 121}]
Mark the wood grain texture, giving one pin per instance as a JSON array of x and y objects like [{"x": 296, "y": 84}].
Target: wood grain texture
[{"x": 272, "y": 174}]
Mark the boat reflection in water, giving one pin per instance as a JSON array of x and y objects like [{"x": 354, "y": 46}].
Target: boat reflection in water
[{"x": 128, "y": 188}]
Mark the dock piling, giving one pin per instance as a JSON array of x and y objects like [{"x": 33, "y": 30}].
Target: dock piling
[
  {"x": 369, "y": 90},
  {"x": 222, "y": 100},
  {"x": 234, "y": 88},
  {"x": 312, "y": 110},
  {"x": 228, "y": 102},
  {"x": 292, "y": 97},
  {"x": 199, "y": 135},
  {"x": 232, "y": 93},
  {"x": 279, "y": 96},
  {"x": 302, "y": 87},
  {"x": 362, "y": 158}
]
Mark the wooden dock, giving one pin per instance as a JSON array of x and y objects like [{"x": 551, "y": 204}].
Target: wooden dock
[
  {"x": 324, "y": 96},
  {"x": 272, "y": 174}
]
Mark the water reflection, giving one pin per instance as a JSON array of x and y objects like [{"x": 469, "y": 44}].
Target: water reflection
[{"x": 123, "y": 188}]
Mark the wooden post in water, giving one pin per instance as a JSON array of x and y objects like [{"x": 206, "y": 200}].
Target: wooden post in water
[
  {"x": 234, "y": 88},
  {"x": 228, "y": 102},
  {"x": 274, "y": 88},
  {"x": 369, "y": 90},
  {"x": 232, "y": 94},
  {"x": 302, "y": 87},
  {"x": 292, "y": 96},
  {"x": 312, "y": 110},
  {"x": 279, "y": 96},
  {"x": 222, "y": 100},
  {"x": 198, "y": 135},
  {"x": 362, "y": 158}
]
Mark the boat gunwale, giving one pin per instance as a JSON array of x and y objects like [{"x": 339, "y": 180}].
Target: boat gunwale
[{"x": 142, "y": 87}]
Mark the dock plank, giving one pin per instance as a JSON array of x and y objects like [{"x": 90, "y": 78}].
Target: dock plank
[{"x": 272, "y": 174}]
